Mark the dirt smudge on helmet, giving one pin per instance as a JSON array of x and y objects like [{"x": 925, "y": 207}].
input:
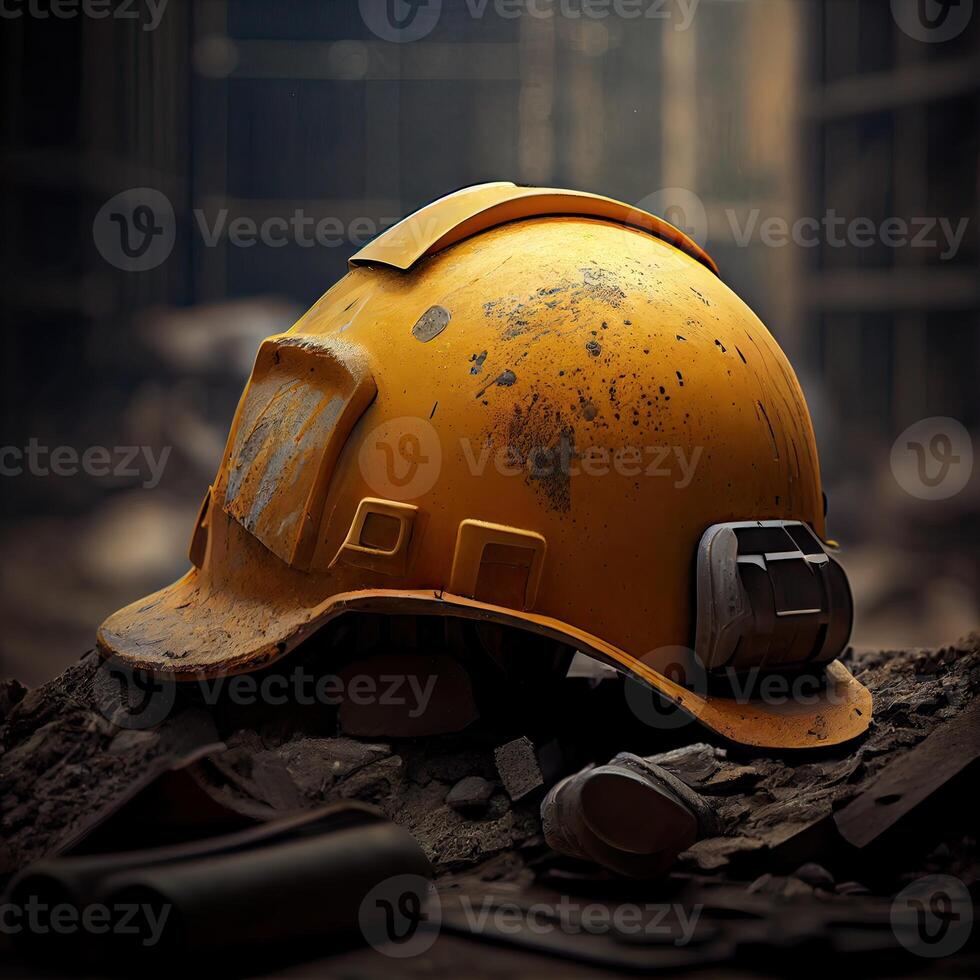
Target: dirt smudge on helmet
[
  {"x": 503, "y": 380},
  {"x": 556, "y": 307},
  {"x": 476, "y": 362},
  {"x": 539, "y": 441}
]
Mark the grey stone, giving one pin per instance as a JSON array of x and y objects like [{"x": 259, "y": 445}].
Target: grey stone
[{"x": 470, "y": 792}]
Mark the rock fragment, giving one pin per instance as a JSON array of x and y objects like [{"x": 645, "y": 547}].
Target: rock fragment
[
  {"x": 517, "y": 764},
  {"x": 471, "y": 792}
]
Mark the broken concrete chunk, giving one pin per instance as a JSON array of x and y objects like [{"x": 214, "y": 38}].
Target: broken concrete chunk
[
  {"x": 734, "y": 779},
  {"x": 517, "y": 763},
  {"x": 471, "y": 792},
  {"x": 315, "y": 764},
  {"x": 715, "y": 852}
]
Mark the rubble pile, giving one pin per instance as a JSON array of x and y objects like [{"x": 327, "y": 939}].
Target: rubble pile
[
  {"x": 66, "y": 769},
  {"x": 765, "y": 802}
]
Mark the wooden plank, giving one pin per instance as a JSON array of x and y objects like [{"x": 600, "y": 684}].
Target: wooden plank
[{"x": 912, "y": 779}]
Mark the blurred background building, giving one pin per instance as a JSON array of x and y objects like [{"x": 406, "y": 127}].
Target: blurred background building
[{"x": 734, "y": 119}]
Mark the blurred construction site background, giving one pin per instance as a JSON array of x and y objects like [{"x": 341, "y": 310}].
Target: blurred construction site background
[{"x": 825, "y": 153}]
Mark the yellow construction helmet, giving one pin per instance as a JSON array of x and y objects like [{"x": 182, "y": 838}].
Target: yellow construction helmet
[{"x": 544, "y": 409}]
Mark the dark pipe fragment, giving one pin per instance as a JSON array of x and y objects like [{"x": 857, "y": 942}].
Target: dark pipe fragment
[
  {"x": 300, "y": 877},
  {"x": 281, "y": 893},
  {"x": 76, "y": 879}
]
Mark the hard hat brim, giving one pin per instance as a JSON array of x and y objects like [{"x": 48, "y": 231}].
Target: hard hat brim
[{"x": 191, "y": 630}]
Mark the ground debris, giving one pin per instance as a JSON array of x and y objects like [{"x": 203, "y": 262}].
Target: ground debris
[
  {"x": 470, "y": 792},
  {"x": 64, "y": 764},
  {"x": 779, "y": 799}
]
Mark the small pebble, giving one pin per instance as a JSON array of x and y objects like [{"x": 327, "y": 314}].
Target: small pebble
[{"x": 470, "y": 792}]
